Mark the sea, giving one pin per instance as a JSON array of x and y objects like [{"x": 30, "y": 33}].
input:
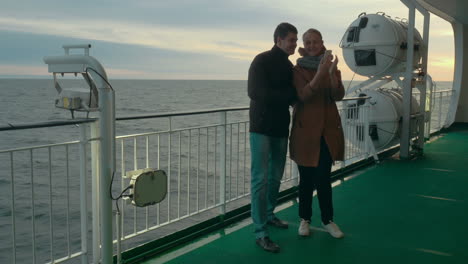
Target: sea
[{"x": 29, "y": 101}]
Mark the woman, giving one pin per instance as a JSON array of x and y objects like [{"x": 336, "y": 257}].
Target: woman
[{"x": 316, "y": 137}]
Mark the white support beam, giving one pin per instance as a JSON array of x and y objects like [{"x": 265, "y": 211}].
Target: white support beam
[
  {"x": 407, "y": 89},
  {"x": 458, "y": 110}
]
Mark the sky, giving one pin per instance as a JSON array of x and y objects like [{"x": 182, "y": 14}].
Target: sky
[{"x": 186, "y": 39}]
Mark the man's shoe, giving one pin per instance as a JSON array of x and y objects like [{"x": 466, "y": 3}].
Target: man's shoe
[
  {"x": 333, "y": 229},
  {"x": 278, "y": 223},
  {"x": 304, "y": 229},
  {"x": 267, "y": 244}
]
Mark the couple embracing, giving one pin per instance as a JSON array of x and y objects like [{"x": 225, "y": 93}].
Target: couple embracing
[{"x": 312, "y": 87}]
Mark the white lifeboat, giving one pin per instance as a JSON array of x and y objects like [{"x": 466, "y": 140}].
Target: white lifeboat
[{"x": 375, "y": 44}]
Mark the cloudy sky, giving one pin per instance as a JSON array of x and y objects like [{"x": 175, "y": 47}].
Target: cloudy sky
[{"x": 184, "y": 39}]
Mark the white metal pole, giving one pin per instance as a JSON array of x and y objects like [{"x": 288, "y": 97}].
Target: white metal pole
[
  {"x": 222, "y": 180},
  {"x": 13, "y": 209},
  {"x": 107, "y": 156},
  {"x": 429, "y": 107},
  {"x": 423, "y": 91},
  {"x": 95, "y": 168},
  {"x": 119, "y": 235},
  {"x": 295, "y": 173},
  {"x": 405, "y": 131},
  {"x": 83, "y": 195}
]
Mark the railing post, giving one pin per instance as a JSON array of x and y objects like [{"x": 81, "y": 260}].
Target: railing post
[
  {"x": 107, "y": 168},
  {"x": 440, "y": 110},
  {"x": 169, "y": 149},
  {"x": 83, "y": 195},
  {"x": 95, "y": 190},
  {"x": 405, "y": 138},
  {"x": 428, "y": 111},
  {"x": 369, "y": 145},
  {"x": 118, "y": 235},
  {"x": 422, "y": 110},
  {"x": 222, "y": 181},
  {"x": 295, "y": 173}
]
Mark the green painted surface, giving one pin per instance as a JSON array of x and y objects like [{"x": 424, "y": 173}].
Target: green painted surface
[{"x": 413, "y": 211}]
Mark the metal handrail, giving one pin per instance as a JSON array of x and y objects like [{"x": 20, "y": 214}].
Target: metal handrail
[
  {"x": 134, "y": 117},
  {"x": 48, "y": 124}
]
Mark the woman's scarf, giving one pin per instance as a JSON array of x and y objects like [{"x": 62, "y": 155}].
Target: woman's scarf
[{"x": 310, "y": 62}]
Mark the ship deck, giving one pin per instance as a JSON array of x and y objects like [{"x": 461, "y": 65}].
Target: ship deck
[{"x": 399, "y": 211}]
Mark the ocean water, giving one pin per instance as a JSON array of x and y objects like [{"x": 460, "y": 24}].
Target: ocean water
[{"x": 24, "y": 101}]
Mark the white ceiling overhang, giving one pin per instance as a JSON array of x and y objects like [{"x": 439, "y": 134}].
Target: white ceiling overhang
[{"x": 450, "y": 10}]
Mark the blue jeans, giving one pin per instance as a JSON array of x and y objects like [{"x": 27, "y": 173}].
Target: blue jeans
[{"x": 268, "y": 156}]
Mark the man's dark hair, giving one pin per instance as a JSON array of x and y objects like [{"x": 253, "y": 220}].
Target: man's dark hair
[{"x": 282, "y": 31}]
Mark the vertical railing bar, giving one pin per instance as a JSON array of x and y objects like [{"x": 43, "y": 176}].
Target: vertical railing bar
[
  {"x": 122, "y": 187},
  {"x": 159, "y": 159},
  {"x": 51, "y": 222},
  {"x": 13, "y": 209},
  {"x": 356, "y": 129},
  {"x": 67, "y": 165},
  {"x": 135, "y": 167},
  {"x": 159, "y": 154},
  {"x": 440, "y": 110},
  {"x": 238, "y": 157},
  {"x": 178, "y": 175},
  {"x": 291, "y": 169},
  {"x": 169, "y": 171},
  {"x": 198, "y": 170},
  {"x": 215, "y": 163},
  {"x": 147, "y": 166},
  {"x": 83, "y": 195},
  {"x": 135, "y": 161},
  {"x": 354, "y": 135},
  {"x": 206, "y": 169},
  {"x": 245, "y": 153},
  {"x": 33, "y": 217},
  {"x": 188, "y": 172},
  {"x": 230, "y": 161},
  {"x": 223, "y": 163},
  {"x": 118, "y": 234},
  {"x": 360, "y": 150},
  {"x": 147, "y": 151}
]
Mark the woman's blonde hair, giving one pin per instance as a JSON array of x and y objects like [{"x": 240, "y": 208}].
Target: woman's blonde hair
[{"x": 310, "y": 31}]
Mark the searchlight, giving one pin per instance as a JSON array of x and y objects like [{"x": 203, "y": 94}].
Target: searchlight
[{"x": 78, "y": 98}]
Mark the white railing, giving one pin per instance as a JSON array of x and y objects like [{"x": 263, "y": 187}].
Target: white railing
[
  {"x": 43, "y": 220},
  {"x": 440, "y": 104},
  {"x": 208, "y": 165}
]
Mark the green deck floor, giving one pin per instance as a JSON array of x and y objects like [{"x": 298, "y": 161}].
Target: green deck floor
[{"x": 396, "y": 212}]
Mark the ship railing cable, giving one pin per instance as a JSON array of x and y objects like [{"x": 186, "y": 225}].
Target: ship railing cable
[
  {"x": 121, "y": 195},
  {"x": 102, "y": 77}
]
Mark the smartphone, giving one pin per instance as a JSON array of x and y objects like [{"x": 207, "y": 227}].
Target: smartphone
[{"x": 327, "y": 53}]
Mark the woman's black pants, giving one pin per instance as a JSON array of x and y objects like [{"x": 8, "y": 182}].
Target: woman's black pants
[{"x": 318, "y": 178}]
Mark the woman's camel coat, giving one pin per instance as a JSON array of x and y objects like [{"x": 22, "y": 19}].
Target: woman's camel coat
[{"x": 315, "y": 115}]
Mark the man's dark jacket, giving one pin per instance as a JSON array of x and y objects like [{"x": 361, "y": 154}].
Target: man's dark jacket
[{"x": 271, "y": 91}]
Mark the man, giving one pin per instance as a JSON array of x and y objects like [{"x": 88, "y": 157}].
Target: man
[{"x": 271, "y": 92}]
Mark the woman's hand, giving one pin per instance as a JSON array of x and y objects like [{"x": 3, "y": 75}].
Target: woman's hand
[
  {"x": 325, "y": 64},
  {"x": 333, "y": 67}
]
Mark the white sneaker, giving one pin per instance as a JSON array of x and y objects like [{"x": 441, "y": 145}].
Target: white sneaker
[
  {"x": 334, "y": 230},
  {"x": 304, "y": 229}
]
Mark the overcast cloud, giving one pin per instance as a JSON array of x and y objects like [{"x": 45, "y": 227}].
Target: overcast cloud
[{"x": 179, "y": 39}]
